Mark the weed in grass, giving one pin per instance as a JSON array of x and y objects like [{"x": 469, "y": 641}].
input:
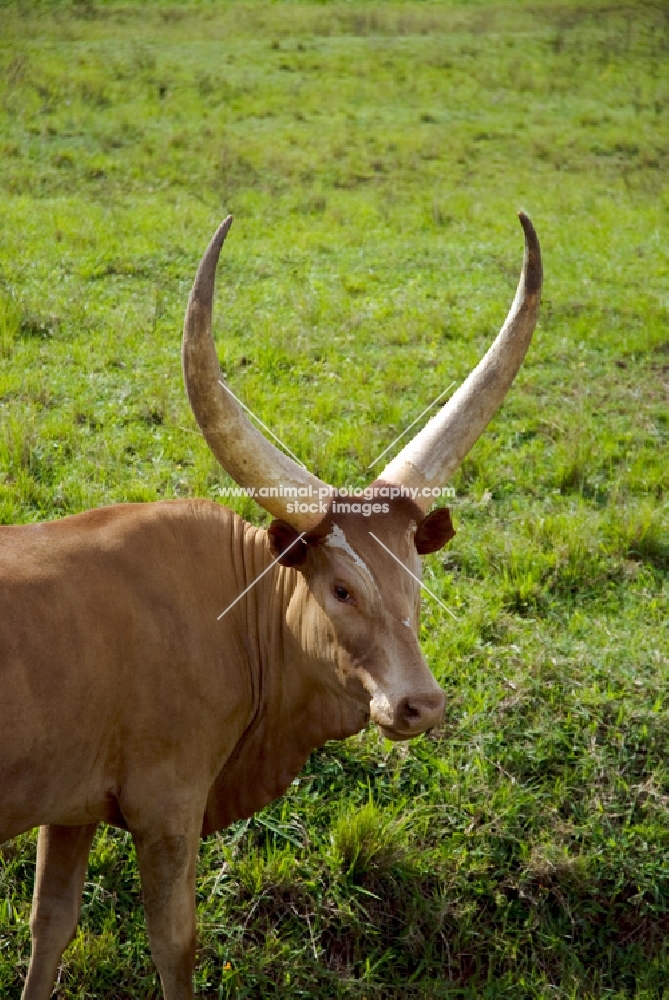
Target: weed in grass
[{"x": 10, "y": 325}]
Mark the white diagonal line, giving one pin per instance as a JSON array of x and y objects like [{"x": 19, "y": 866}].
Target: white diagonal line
[
  {"x": 407, "y": 429},
  {"x": 264, "y": 426},
  {"x": 416, "y": 578},
  {"x": 251, "y": 585}
]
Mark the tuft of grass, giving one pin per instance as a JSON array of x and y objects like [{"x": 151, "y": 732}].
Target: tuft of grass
[
  {"x": 368, "y": 844},
  {"x": 10, "y": 325}
]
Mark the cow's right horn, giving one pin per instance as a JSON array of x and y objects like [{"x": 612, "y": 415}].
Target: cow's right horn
[{"x": 241, "y": 449}]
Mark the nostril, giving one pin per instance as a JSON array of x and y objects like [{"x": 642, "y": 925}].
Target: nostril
[{"x": 418, "y": 710}]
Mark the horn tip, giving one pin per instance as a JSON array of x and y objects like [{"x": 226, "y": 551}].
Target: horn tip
[
  {"x": 532, "y": 266},
  {"x": 526, "y": 223},
  {"x": 203, "y": 286},
  {"x": 223, "y": 229}
]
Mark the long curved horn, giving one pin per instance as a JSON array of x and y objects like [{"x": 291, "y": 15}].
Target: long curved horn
[
  {"x": 241, "y": 449},
  {"x": 436, "y": 452}
]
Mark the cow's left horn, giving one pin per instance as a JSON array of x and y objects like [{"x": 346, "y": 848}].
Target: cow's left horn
[
  {"x": 241, "y": 449},
  {"x": 436, "y": 452}
]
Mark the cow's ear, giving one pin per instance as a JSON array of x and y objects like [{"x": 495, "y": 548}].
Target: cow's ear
[
  {"x": 434, "y": 531},
  {"x": 283, "y": 541}
]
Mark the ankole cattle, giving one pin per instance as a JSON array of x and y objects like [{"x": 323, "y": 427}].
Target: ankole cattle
[{"x": 167, "y": 667}]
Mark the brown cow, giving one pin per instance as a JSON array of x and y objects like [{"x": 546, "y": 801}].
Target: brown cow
[{"x": 145, "y": 681}]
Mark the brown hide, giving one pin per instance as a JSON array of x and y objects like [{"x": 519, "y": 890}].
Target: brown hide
[
  {"x": 139, "y": 689},
  {"x": 119, "y": 686},
  {"x": 112, "y": 681},
  {"x": 126, "y": 698}
]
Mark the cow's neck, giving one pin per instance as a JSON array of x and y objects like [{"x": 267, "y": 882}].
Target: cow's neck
[{"x": 296, "y": 711}]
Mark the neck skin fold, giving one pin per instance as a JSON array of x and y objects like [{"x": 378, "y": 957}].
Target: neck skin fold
[{"x": 298, "y": 704}]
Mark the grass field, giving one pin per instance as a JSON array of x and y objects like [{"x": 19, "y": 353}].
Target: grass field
[{"x": 374, "y": 156}]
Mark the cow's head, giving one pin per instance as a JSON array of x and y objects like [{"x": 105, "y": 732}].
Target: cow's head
[
  {"x": 356, "y": 609},
  {"x": 358, "y": 599}
]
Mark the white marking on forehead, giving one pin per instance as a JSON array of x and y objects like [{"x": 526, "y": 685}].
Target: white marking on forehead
[
  {"x": 407, "y": 623},
  {"x": 337, "y": 540}
]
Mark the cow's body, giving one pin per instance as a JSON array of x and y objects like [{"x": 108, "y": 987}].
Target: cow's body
[
  {"x": 168, "y": 668},
  {"x": 117, "y": 679},
  {"x": 125, "y": 698}
]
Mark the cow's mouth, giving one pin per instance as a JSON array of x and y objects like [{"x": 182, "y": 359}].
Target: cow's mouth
[{"x": 397, "y": 735}]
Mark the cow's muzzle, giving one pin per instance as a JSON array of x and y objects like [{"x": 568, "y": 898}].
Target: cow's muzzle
[{"x": 414, "y": 714}]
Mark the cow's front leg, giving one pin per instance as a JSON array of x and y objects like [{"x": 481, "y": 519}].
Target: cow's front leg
[
  {"x": 62, "y": 859},
  {"x": 167, "y": 864}
]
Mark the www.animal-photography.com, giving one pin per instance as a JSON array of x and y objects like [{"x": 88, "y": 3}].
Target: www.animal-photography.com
[{"x": 334, "y": 360}]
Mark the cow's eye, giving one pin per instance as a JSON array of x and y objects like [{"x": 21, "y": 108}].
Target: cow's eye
[{"x": 341, "y": 593}]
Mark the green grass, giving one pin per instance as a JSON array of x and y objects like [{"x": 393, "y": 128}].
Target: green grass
[{"x": 374, "y": 156}]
